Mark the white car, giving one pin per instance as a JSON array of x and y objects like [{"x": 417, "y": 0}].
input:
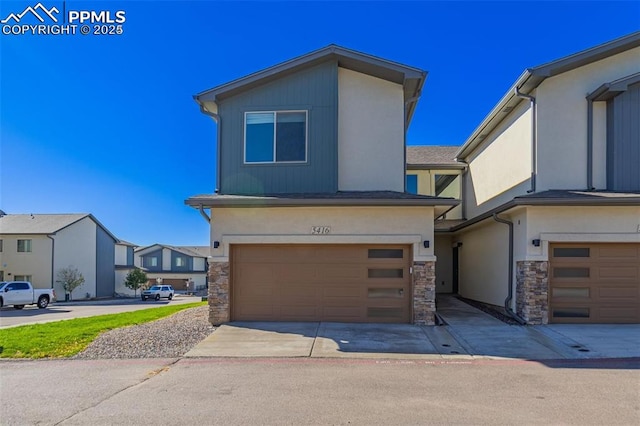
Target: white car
[{"x": 158, "y": 292}]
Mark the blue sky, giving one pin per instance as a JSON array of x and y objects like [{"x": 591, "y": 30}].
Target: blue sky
[{"x": 107, "y": 124}]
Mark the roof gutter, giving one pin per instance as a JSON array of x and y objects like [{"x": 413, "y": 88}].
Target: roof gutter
[
  {"x": 507, "y": 301},
  {"x": 216, "y": 118},
  {"x": 534, "y": 139}
]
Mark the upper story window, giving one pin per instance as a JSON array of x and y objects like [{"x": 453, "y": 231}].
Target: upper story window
[
  {"x": 412, "y": 184},
  {"x": 275, "y": 137},
  {"x": 0, "y": 246},
  {"x": 150, "y": 262},
  {"x": 24, "y": 246},
  {"x": 181, "y": 261}
]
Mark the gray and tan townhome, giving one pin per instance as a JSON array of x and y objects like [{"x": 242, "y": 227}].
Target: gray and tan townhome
[{"x": 322, "y": 213}]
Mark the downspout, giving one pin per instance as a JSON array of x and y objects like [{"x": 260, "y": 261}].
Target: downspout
[
  {"x": 53, "y": 253},
  {"x": 216, "y": 118},
  {"x": 590, "y": 145},
  {"x": 534, "y": 139},
  {"x": 203, "y": 214},
  {"x": 507, "y": 301}
]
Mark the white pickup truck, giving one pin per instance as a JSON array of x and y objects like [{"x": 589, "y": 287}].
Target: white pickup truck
[{"x": 21, "y": 293}]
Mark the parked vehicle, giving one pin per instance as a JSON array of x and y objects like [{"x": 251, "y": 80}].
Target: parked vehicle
[
  {"x": 157, "y": 292},
  {"x": 21, "y": 293}
]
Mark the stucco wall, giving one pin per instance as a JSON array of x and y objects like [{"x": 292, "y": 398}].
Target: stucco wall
[
  {"x": 37, "y": 263},
  {"x": 501, "y": 167},
  {"x": 348, "y": 225},
  {"x": 121, "y": 254},
  {"x": 562, "y": 121},
  {"x": 579, "y": 224},
  {"x": 76, "y": 246},
  {"x": 166, "y": 259},
  {"x": 484, "y": 262},
  {"x": 199, "y": 264},
  {"x": 370, "y": 133}
]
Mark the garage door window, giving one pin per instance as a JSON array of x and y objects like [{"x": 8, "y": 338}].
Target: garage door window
[
  {"x": 570, "y": 292},
  {"x": 571, "y": 313},
  {"x": 385, "y": 292},
  {"x": 571, "y": 272},
  {"x": 385, "y": 253},
  {"x": 571, "y": 252},
  {"x": 386, "y": 273}
]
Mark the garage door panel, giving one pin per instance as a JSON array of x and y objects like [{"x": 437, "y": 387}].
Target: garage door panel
[
  {"x": 320, "y": 283},
  {"x": 608, "y": 293}
]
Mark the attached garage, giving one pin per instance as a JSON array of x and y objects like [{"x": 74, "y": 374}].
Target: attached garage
[
  {"x": 321, "y": 282},
  {"x": 594, "y": 283}
]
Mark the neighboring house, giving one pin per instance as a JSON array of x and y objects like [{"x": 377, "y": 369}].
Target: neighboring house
[
  {"x": 35, "y": 247},
  {"x": 178, "y": 266},
  {"x": 557, "y": 162},
  {"x": 124, "y": 263},
  {"x": 311, "y": 220}
]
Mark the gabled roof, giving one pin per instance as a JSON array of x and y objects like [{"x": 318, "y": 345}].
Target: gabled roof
[
  {"x": 422, "y": 157},
  {"x": 533, "y": 77},
  {"x": 43, "y": 224},
  {"x": 412, "y": 79},
  {"x": 192, "y": 251}
]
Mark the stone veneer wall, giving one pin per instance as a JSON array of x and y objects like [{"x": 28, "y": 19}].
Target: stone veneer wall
[
  {"x": 424, "y": 293},
  {"x": 219, "y": 309},
  {"x": 532, "y": 291}
]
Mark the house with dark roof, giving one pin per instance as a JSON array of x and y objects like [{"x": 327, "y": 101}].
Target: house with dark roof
[
  {"x": 311, "y": 220},
  {"x": 549, "y": 225},
  {"x": 35, "y": 247},
  {"x": 183, "y": 267}
]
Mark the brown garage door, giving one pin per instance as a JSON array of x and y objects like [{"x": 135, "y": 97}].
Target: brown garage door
[
  {"x": 343, "y": 283},
  {"x": 594, "y": 283}
]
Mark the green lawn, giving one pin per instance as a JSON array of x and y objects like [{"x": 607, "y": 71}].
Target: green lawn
[{"x": 67, "y": 338}]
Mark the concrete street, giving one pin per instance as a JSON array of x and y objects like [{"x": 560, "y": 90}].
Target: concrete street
[
  {"x": 319, "y": 391},
  {"x": 56, "y": 311}
]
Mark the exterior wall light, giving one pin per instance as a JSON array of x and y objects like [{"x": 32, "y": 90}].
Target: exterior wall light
[
  {"x": 216, "y": 244},
  {"x": 425, "y": 243},
  {"x": 536, "y": 243}
]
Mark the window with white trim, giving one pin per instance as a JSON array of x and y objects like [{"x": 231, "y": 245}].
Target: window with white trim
[
  {"x": 24, "y": 246},
  {"x": 181, "y": 261},
  {"x": 275, "y": 137},
  {"x": 22, "y": 278}
]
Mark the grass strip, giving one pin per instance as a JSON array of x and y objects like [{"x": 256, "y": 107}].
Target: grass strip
[{"x": 68, "y": 337}]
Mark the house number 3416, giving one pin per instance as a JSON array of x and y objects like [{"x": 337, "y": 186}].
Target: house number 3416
[{"x": 320, "y": 230}]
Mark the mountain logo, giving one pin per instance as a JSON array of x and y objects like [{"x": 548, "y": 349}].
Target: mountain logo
[{"x": 38, "y": 11}]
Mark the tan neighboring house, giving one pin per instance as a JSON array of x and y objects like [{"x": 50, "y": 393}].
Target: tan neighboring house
[
  {"x": 34, "y": 247},
  {"x": 124, "y": 263},
  {"x": 183, "y": 267},
  {"x": 551, "y": 194}
]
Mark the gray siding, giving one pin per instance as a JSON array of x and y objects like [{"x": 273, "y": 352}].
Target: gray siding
[
  {"x": 188, "y": 266},
  {"x": 314, "y": 89},
  {"x": 623, "y": 141},
  {"x": 147, "y": 264},
  {"x": 105, "y": 263},
  {"x": 130, "y": 256}
]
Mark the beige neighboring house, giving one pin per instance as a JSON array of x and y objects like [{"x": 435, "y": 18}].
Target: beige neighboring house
[
  {"x": 34, "y": 247},
  {"x": 183, "y": 267},
  {"x": 551, "y": 193},
  {"x": 124, "y": 263}
]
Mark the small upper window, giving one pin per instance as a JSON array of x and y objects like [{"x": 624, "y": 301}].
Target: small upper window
[
  {"x": 275, "y": 137},
  {"x": 24, "y": 246},
  {"x": 0, "y": 246},
  {"x": 412, "y": 184},
  {"x": 181, "y": 261}
]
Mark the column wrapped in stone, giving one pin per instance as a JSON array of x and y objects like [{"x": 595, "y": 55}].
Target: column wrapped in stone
[
  {"x": 424, "y": 293},
  {"x": 532, "y": 291},
  {"x": 219, "y": 309}
]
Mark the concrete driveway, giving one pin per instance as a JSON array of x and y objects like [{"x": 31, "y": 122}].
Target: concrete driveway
[
  {"x": 469, "y": 334},
  {"x": 10, "y": 317}
]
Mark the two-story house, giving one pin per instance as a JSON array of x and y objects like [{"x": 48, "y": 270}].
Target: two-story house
[
  {"x": 35, "y": 247},
  {"x": 124, "y": 263},
  {"x": 551, "y": 193},
  {"x": 310, "y": 220},
  {"x": 183, "y": 267}
]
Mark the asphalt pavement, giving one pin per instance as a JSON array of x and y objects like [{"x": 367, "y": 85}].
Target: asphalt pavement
[{"x": 319, "y": 391}]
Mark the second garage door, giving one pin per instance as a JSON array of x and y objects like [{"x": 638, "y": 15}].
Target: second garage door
[
  {"x": 342, "y": 283},
  {"x": 594, "y": 283}
]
